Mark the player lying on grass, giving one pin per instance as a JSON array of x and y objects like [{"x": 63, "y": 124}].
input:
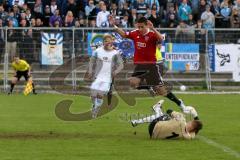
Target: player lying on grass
[
  {"x": 21, "y": 68},
  {"x": 172, "y": 124},
  {"x": 106, "y": 62}
]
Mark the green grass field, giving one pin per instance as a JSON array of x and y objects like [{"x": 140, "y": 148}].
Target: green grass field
[{"x": 30, "y": 130}]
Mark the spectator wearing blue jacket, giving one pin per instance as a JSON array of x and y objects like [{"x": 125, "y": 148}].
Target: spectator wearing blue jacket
[{"x": 184, "y": 10}]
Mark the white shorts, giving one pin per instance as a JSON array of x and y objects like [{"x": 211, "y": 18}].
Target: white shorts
[{"x": 100, "y": 87}]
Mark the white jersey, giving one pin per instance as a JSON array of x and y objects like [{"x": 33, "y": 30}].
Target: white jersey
[{"x": 106, "y": 58}]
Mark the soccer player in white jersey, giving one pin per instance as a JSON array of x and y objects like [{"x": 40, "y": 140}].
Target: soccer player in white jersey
[{"x": 105, "y": 63}]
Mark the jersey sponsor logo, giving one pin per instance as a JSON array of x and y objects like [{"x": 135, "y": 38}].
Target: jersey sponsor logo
[
  {"x": 141, "y": 45},
  {"x": 105, "y": 58}
]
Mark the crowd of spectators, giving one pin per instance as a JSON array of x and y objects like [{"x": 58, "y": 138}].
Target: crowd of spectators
[
  {"x": 94, "y": 13},
  {"x": 183, "y": 15}
]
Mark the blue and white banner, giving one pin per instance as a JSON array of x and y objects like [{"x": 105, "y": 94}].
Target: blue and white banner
[
  {"x": 52, "y": 48},
  {"x": 211, "y": 56},
  {"x": 227, "y": 59},
  {"x": 125, "y": 46},
  {"x": 181, "y": 56}
]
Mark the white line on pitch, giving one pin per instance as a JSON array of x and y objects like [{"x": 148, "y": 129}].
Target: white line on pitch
[{"x": 220, "y": 146}]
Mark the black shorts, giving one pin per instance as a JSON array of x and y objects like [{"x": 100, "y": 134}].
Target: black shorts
[
  {"x": 151, "y": 126},
  {"x": 19, "y": 74},
  {"x": 149, "y": 72}
]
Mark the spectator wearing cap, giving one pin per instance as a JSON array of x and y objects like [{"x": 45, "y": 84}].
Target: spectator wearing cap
[
  {"x": 56, "y": 20},
  {"x": 102, "y": 17},
  {"x": 46, "y": 16},
  {"x": 184, "y": 10}
]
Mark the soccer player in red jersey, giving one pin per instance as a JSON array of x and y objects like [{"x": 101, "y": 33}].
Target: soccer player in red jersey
[{"x": 145, "y": 39}]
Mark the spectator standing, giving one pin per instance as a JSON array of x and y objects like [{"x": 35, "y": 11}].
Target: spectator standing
[
  {"x": 155, "y": 18},
  {"x": 102, "y": 17},
  {"x": 71, "y": 6},
  {"x": 11, "y": 40},
  {"x": 46, "y": 16},
  {"x": 53, "y": 6},
  {"x": 141, "y": 7},
  {"x": 184, "y": 10},
  {"x": 91, "y": 10},
  {"x": 38, "y": 9},
  {"x": 56, "y": 18},
  {"x": 225, "y": 13}
]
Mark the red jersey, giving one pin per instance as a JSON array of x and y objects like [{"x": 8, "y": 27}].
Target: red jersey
[{"x": 145, "y": 46}]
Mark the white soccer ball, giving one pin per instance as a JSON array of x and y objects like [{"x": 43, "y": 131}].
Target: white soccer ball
[{"x": 183, "y": 88}]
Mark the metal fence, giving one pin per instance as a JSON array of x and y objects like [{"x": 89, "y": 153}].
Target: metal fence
[{"x": 26, "y": 43}]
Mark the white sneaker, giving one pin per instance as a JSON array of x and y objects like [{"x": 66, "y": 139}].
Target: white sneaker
[
  {"x": 182, "y": 105},
  {"x": 95, "y": 111},
  {"x": 158, "y": 106}
]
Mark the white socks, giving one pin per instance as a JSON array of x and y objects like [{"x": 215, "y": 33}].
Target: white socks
[
  {"x": 98, "y": 102},
  {"x": 190, "y": 110}
]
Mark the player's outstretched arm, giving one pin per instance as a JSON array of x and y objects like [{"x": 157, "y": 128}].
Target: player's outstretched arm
[{"x": 116, "y": 28}]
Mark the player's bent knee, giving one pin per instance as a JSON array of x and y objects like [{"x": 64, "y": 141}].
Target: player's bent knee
[
  {"x": 134, "y": 82},
  {"x": 14, "y": 80},
  {"x": 161, "y": 90}
]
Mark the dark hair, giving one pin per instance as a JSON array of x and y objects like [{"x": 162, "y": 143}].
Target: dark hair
[
  {"x": 142, "y": 20},
  {"x": 197, "y": 124}
]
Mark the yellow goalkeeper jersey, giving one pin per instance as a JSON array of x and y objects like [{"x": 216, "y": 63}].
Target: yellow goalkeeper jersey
[
  {"x": 174, "y": 128},
  {"x": 21, "y": 66}
]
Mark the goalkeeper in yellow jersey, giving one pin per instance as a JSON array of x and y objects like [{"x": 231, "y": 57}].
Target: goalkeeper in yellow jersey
[
  {"x": 21, "y": 68},
  {"x": 172, "y": 125}
]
